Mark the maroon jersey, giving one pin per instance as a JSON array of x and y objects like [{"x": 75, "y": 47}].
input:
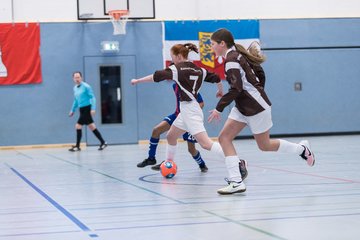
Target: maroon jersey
[
  {"x": 246, "y": 82},
  {"x": 188, "y": 77}
]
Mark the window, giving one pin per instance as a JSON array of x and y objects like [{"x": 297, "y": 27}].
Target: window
[{"x": 110, "y": 87}]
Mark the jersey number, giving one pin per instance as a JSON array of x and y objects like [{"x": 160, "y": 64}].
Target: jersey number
[{"x": 195, "y": 79}]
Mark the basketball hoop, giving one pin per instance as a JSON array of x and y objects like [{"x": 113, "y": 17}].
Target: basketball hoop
[{"x": 119, "y": 19}]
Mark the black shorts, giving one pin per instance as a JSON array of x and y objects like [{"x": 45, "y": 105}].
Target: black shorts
[{"x": 85, "y": 116}]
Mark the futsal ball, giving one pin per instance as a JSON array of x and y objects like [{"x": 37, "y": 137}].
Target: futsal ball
[{"x": 168, "y": 168}]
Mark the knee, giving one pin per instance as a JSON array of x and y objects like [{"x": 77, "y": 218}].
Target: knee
[
  {"x": 171, "y": 139},
  {"x": 206, "y": 145},
  {"x": 224, "y": 140},
  {"x": 156, "y": 132}
]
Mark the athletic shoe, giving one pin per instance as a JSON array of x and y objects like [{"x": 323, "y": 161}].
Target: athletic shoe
[
  {"x": 148, "y": 161},
  {"x": 233, "y": 187},
  {"x": 204, "y": 169},
  {"x": 307, "y": 154},
  {"x": 243, "y": 169},
  {"x": 102, "y": 146},
  {"x": 74, "y": 149},
  {"x": 157, "y": 166}
]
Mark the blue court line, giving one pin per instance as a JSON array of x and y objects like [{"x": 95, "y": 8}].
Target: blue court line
[
  {"x": 117, "y": 179},
  {"x": 134, "y": 185},
  {"x": 35, "y": 233},
  {"x": 71, "y": 217},
  {"x": 178, "y": 201}
]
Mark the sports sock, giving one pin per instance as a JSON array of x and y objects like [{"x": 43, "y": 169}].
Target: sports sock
[
  {"x": 216, "y": 149},
  {"x": 199, "y": 159},
  {"x": 170, "y": 151},
  {"x": 78, "y": 137},
  {"x": 98, "y": 135},
  {"x": 232, "y": 165},
  {"x": 289, "y": 147},
  {"x": 153, "y": 146}
]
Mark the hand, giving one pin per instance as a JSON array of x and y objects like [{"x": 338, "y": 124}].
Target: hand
[
  {"x": 92, "y": 112},
  {"x": 214, "y": 115},
  {"x": 219, "y": 94},
  {"x": 134, "y": 81},
  {"x": 71, "y": 114}
]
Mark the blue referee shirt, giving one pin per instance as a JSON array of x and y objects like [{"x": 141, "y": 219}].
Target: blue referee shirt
[{"x": 84, "y": 96}]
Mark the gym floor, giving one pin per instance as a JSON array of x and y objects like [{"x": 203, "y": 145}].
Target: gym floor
[{"x": 53, "y": 194}]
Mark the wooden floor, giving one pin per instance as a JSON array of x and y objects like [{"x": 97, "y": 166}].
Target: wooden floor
[{"x": 55, "y": 194}]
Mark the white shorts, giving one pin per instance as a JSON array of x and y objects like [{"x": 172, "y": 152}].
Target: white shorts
[
  {"x": 258, "y": 123},
  {"x": 190, "y": 118}
]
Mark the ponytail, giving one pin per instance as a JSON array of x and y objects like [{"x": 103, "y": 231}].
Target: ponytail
[
  {"x": 184, "y": 49},
  {"x": 253, "y": 55}
]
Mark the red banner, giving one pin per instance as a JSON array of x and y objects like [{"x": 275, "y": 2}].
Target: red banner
[{"x": 20, "y": 61}]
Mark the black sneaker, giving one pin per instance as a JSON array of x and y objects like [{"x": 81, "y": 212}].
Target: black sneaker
[
  {"x": 204, "y": 169},
  {"x": 74, "y": 149},
  {"x": 102, "y": 146},
  {"x": 148, "y": 161},
  {"x": 243, "y": 168},
  {"x": 157, "y": 166}
]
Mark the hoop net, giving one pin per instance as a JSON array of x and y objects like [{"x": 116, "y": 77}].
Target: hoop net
[{"x": 119, "y": 19}]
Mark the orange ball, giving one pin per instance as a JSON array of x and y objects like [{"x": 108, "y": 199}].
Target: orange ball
[{"x": 168, "y": 168}]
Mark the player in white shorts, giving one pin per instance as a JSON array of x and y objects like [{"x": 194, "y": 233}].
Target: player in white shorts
[
  {"x": 252, "y": 107},
  {"x": 189, "y": 78}
]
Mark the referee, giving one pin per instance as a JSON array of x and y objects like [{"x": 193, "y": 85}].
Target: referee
[{"x": 86, "y": 102}]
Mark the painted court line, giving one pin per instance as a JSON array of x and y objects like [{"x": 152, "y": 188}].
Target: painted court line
[
  {"x": 71, "y": 217},
  {"x": 178, "y": 201}
]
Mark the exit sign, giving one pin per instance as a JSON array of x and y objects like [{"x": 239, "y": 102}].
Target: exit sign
[{"x": 110, "y": 46}]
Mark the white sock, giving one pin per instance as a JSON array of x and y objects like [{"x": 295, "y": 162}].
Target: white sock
[
  {"x": 289, "y": 147},
  {"x": 216, "y": 149},
  {"x": 170, "y": 151},
  {"x": 232, "y": 165}
]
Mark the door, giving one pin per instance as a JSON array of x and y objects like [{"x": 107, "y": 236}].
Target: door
[{"x": 116, "y": 114}]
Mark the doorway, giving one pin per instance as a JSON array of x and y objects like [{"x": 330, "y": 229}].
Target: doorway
[{"x": 116, "y": 114}]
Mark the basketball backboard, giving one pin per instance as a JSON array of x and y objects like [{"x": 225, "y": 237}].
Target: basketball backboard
[{"x": 98, "y": 9}]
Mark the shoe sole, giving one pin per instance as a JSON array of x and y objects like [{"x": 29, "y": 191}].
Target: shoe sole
[
  {"x": 146, "y": 165},
  {"x": 100, "y": 149},
  {"x": 228, "y": 193}
]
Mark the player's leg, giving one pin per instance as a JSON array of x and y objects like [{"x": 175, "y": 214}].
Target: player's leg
[
  {"x": 265, "y": 143},
  {"x": 172, "y": 135},
  {"x": 97, "y": 133},
  {"x": 160, "y": 128},
  {"x": 235, "y": 181},
  {"x": 260, "y": 125},
  {"x": 76, "y": 148},
  {"x": 197, "y": 156}
]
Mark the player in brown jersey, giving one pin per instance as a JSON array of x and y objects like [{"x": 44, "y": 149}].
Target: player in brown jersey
[
  {"x": 252, "y": 107},
  {"x": 189, "y": 78}
]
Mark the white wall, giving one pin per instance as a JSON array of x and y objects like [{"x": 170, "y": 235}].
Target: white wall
[{"x": 66, "y": 10}]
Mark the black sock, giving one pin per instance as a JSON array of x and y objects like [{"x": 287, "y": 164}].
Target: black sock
[
  {"x": 78, "y": 137},
  {"x": 98, "y": 135}
]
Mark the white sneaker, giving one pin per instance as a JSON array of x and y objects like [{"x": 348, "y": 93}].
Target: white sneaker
[
  {"x": 233, "y": 187},
  {"x": 307, "y": 155}
]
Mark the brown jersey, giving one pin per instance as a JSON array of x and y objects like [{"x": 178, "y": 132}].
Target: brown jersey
[
  {"x": 188, "y": 77},
  {"x": 246, "y": 85}
]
